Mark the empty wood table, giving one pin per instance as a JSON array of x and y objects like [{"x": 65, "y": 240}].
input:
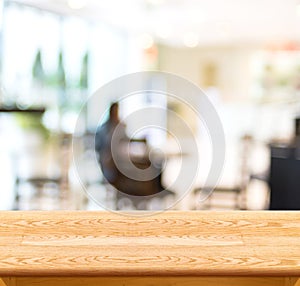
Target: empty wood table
[{"x": 170, "y": 248}]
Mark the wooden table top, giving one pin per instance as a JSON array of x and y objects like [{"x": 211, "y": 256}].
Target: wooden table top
[{"x": 170, "y": 243}]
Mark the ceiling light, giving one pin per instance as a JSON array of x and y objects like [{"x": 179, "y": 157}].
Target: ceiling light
[
  {"x": 77, "y": 4},
  {"x": 191, "y": 40},
  {"x": 146, "y": 41}
]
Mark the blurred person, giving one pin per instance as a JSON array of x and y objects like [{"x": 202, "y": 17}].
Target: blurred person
[
  {"x": 108, "y": 166},
  {"x": 103, "y": 144}
]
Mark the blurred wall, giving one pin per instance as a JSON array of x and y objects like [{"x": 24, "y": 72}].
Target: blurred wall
[{"x": 229, "y": 67}]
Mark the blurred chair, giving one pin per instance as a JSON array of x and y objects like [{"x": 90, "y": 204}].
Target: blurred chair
[
  {"x": 39, "y": 180},
  {"x": 139, "y": 192},
  {"x": 222, "y": 191},
  {"x": 125, "y": 192},
  {"x": 237, "y": 191}
]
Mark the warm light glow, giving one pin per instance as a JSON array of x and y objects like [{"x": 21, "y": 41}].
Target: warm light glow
[
  {"x": 191, "y": 40},
  {"x": 146, "y": 41},
  {"x": 77, "y": 4}
]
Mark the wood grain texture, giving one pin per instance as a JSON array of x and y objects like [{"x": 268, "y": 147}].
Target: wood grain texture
[
  {"x": 9, "y": 281},
  {"x": 165, "y": 244},
  {"x": 291, "y": 281},
  {"x": 149, "y": 281}
]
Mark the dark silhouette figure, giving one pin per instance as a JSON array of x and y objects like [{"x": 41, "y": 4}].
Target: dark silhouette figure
[
  {"x": 103, "y": 145},
  {"x": 129, "y": 185}
]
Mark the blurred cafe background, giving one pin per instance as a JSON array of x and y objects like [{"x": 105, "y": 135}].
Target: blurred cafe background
[{"x": 245, "y": 56}]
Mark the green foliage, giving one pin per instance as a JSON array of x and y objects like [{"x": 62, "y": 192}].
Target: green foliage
[
  {"x": 37, "y": 68},
  {"x": 83, "y": 82},
  {"x": 60, "y": 74}
]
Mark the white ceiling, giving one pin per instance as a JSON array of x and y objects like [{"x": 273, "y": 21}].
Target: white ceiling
[{"x": 213, "y": 22}]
